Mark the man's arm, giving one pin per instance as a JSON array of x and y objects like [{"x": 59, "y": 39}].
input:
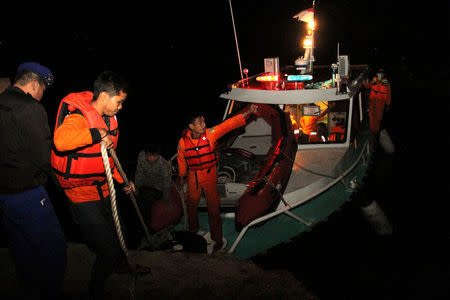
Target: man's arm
[
  {"x": 230, "y": 124},
  {"x": 367, "y": 84},
  {"x": 74, "y": 133},
  {"x": 388, "y": 99}
]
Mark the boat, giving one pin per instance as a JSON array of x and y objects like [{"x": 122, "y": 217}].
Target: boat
[
  {"x": 332, "y": 150},
  {"x": 299, "y": 161}
]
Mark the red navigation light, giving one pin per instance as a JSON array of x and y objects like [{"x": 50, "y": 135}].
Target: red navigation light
[{"x": 268, "y": 78}]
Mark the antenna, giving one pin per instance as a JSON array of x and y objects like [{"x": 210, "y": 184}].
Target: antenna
[
  {"x": 235, "y": 38},
  {"x": 338, "y": 50}
]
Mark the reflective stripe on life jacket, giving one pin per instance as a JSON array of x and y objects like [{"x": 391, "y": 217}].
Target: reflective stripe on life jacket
[
  {"x": 200, "y": 156},
  {"x": 82, "y": 166}
]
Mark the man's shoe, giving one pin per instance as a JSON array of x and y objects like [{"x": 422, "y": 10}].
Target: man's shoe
[
  {"x": 220, "y": 246},
  {"x": 217, "y": 246}
]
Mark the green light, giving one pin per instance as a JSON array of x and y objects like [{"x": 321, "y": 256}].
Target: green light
[{"x": 299, "y": 77}]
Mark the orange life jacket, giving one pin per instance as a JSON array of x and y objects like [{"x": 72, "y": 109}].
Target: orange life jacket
[
  {"x": 200, "y": 156},
  {"x": 82, "y": 166},
  {"x": 379, "y": 89}
]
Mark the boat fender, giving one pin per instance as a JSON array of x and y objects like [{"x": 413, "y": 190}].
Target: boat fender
[
  {"x": 386, "y": 142},
  {"x": 376, "y": 217}
]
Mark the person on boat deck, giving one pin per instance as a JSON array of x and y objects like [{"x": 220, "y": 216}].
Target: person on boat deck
[
  {"x": 197, "y": 161},
  {"x": 85, "y": 121},
  {"x": 379, "y": 98},
  {"x": 152, "y": 177},
  {"x": 34, "y": 233},
  {"x": 309, "y": 126}
]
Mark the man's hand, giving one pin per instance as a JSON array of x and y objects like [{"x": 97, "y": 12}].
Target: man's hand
[
  {"x": 106, "y": 138},
  {"x": 130, "y": 188},
  {"x": 253, "y": 109}
]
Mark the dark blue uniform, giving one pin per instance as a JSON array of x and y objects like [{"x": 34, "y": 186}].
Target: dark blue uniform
[{"x": 34, "y": 233}]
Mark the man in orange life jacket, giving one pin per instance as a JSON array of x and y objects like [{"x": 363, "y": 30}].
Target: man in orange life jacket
[
  {"x": 310, "y": 127},
  {"x": 84, "y": 121},
  {"x": 197, "y": 160},
  {"x": 380, "y": 95}
]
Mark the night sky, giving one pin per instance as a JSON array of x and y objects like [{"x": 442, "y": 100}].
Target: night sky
[{"x": 179, "y": 56}]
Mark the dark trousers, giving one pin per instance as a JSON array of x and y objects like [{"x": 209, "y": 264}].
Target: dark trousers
[
  {"x": 97, "y": 229},
  {"x": 36, "y": 241}
]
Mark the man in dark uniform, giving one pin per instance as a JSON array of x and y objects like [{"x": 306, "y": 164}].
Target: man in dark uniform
[{"x": 34, "y": 233}]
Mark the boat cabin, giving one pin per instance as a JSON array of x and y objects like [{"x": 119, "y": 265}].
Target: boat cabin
[{"x": 320, "y": 107}]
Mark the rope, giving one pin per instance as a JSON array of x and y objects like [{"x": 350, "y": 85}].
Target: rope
[
  {"x": 132, "y": 196},
  {"x": 112, "y": 192},
  {"x": 268, "y": 181}
]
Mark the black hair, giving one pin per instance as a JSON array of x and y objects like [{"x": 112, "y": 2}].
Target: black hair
[
  {"x": 25, "y": 76},
  {"x": 151, "y": 148},
  {"x": 111, "y": 83},
  {"x": 191, "y": 118}
]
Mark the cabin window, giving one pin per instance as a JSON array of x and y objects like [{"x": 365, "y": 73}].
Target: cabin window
[{"x": 323, "y": 122}]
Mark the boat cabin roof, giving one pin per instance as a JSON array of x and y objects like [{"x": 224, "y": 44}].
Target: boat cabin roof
[{"x": 284, "y": 90}]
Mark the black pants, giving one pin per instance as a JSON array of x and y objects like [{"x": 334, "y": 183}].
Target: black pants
[{"x": 97, "y": 229}]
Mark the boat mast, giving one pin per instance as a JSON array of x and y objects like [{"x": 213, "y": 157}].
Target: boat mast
[
  {"x": 304, "y": 64},
  {"x": 235, "y": 38}
]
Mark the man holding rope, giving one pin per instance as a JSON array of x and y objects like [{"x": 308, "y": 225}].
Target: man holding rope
[{"x": 85, "y": 121}]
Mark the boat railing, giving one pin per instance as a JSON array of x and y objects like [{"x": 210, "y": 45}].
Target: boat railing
[{"x": 287, "y": 209}]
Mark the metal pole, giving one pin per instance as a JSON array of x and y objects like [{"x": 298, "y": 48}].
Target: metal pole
[{"x": 235, "y": 38}]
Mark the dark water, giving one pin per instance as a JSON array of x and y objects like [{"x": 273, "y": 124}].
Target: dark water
[{"x": 343, "y": 258}]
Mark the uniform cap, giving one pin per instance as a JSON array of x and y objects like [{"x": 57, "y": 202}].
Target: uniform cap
[{"x": 42, "y": 71}]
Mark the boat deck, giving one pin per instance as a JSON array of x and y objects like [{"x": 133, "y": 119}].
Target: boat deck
[{"x": 311, "y": 165}]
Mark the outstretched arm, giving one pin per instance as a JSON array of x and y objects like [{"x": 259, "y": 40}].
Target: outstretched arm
[{"x": 232, "y": 123}]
